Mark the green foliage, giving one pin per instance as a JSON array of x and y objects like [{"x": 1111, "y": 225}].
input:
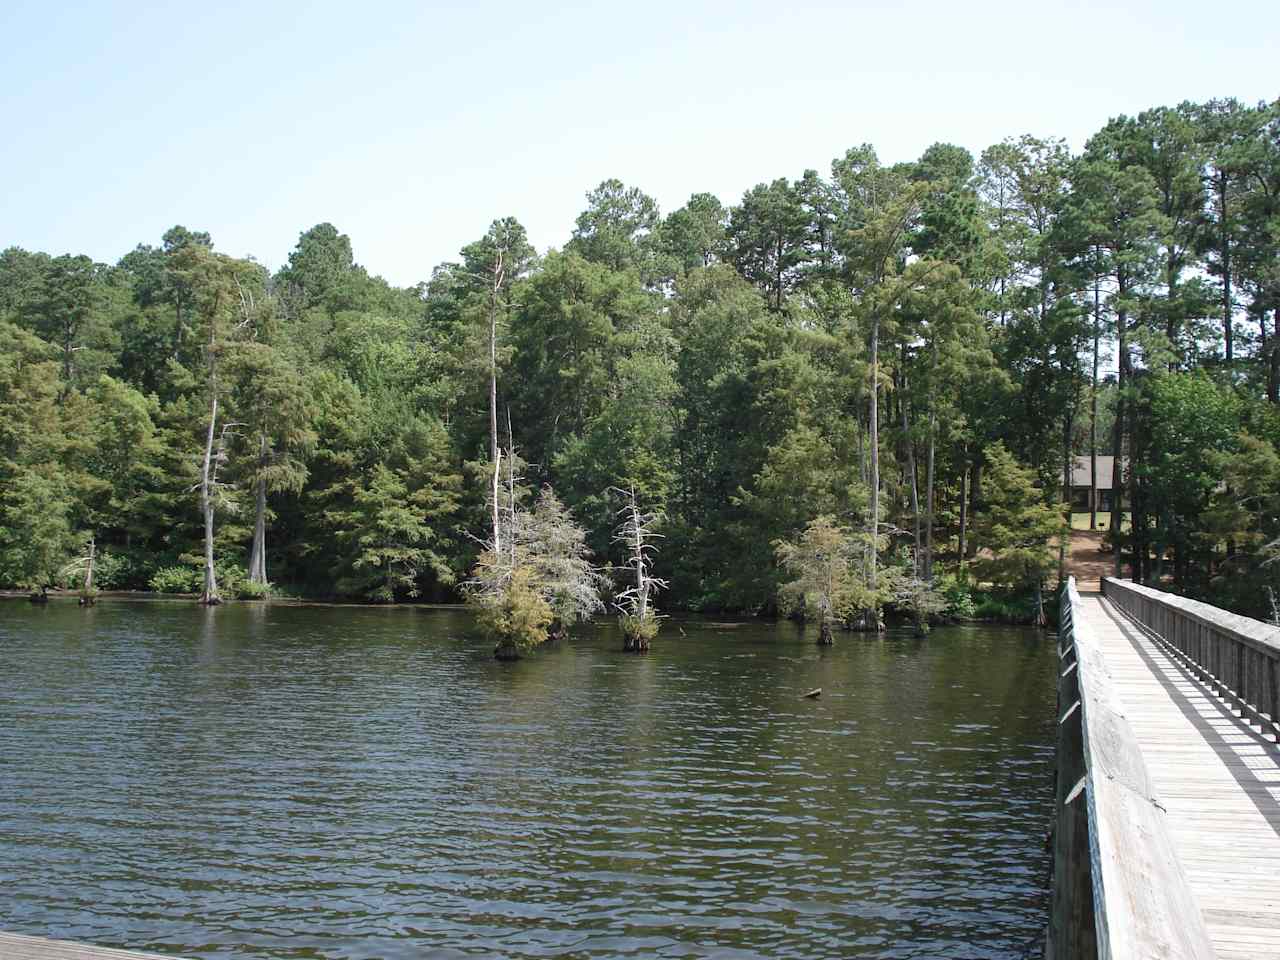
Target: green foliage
[
  {"x": 1003, "y": 608},
  {"x": 36, "y": 538},
  {"x": 560, "y": 562},
  {"x": 516, "y": 617},
  {"x": 639, "y": 632},
  {"x": 384, "y": 540},
  {"x": 767, "y": 235},
  {"x": 717, "y": 360},
  {"x": 177, "y": 579},
  {"x": 251, "y": 590},
  {"x": 1192, "y": 422},
  {"x": 537, "y": 573},
  {"x": 827, "y": 564},
  {"x": 188, "y": 576},
  {"x": 914, "y": 597},
  {"x": 614, "y": 229},
  {"x": 111, "y": 571},
  {"x": 958, "y": 594},
  {"x": 1017, "y": 527}
]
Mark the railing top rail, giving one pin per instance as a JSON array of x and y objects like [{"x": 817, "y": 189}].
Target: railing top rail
[
  {"x": 1261, "y": 636},
  {"x": 1143, "y": 904}
]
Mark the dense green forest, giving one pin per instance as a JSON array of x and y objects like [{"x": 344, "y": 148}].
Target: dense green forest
[{"x": 901, "y": 359}]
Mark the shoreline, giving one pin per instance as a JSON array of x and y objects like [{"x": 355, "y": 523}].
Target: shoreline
[{"x": 713, "y": 621}]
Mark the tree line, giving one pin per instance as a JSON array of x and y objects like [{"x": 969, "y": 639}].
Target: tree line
[{"x": 849, "y": 392}]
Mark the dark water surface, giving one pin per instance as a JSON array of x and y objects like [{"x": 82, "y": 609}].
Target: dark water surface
[{"x": 255, "y": 781}]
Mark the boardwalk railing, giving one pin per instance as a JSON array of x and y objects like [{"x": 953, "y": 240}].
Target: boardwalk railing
[
  {"x": 1119, "y": 890},
  {"x": 1237, "y": 656}
]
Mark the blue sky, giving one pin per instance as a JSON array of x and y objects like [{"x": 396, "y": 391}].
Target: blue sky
[{"x": 412, "y": 125}]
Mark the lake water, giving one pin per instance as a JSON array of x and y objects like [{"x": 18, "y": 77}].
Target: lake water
[{"x": 322, "y": 782}]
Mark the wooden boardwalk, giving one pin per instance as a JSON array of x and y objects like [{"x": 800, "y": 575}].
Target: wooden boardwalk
[
  {"x": 1216, "y": 776},
  {"x": 14, "y": 946}
]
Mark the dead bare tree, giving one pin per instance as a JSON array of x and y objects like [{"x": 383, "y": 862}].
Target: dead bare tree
[
  {"x": 88, "y": 595},
  {"x": 218, "y": 304},
  {"x": 635, "y": 534},
  {"x": 534, "y": 573},
  {"x": 212, "y": 494}
]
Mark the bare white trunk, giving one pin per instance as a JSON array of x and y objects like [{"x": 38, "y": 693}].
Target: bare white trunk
[
  {"x": 497, "y": 514},
  {"x": 642, "y": 591},
  {"x": 1093, "y": 411},
  {"x": 495, "y": 293},
  {"x": 511, "y": 497},
  {"x": 928, "y": 497},
  {"x": 873, "y": 417},
  {"x": 258, "y": 552},
  {"x": 88, "y": 570},
  {"x": 911, "y": 472},
  {"x": 210, "y": 594},
  {"x": 493, "y": 383}
]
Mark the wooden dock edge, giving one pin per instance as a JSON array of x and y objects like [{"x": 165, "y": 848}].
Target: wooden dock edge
[
  {"x": 16, "y": 946},
  {"x": 1119, "y": 889}
]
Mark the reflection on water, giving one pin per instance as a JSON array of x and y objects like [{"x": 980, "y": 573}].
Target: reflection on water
[{"x": 253, "y": 781}]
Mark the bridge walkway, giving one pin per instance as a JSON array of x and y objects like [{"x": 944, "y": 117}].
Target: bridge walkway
[{"x": 1217, "y": 777}]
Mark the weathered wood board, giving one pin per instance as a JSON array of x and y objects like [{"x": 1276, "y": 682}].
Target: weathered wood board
[
  {"x": 1218, "y": 778},
  {"x": 14, "y": 946}
]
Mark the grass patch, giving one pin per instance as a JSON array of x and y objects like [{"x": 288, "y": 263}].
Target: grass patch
[{"x": 1080, "y": 521}]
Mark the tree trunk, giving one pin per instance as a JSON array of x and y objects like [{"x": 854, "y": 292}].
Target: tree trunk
[
  {"x": 497, "y": 514},
  {"x": 1138, "y": 535},
  {"x": 1067, "y": 429},
  {"x": 642, "y": 592},
  {"x": 1093, "y": 411},
  {"x": 1117, "y": 439},
  {"x": 210, "y": 594},
  {"x": 1273, "y": 370},
  {"x": 1225, "y": 253},
  {"x": 928, "y": 497},
  {"x": 511, "y": 494},
  {"x": 1172, "y": 320},
  {"x": 873, "y": 416},
  {"x": 493, "y": 380},
  {"x": 777, "y": 288},
  {"x": 87, "y": 598},
  {"x": 258, "y": 551},
  {"x": 975, "y": 498},
  {"x": 964, "y": 516},
  {"x": 911, "y": 473}
]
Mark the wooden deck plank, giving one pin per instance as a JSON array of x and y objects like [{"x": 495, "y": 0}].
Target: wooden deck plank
[
  {"x": 1218, "y": 778},
  {"x": 15, "y": 946}
]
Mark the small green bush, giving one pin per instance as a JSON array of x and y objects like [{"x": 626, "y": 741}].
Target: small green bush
[
  {"x": 635, "y": 629},
  {"x": 517, "y": 618},
  {"x": 113, "y": 571},
  {"x": 231, "y": 574},
  {"x": 959, "y": 598},
  {"x": 248, "y": 590},
  {"x": 1004, "y": 608},
  {"x": 189, "y": 577},
  {"x": 177, "y": 580}
]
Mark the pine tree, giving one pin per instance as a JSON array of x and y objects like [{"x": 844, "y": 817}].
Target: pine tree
[
  {"x": 385, "y": 539},
  {"x": 1017, "y": 528}
]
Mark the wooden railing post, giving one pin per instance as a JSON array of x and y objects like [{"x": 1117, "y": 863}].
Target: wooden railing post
[{"x": 1236, "y": 657}]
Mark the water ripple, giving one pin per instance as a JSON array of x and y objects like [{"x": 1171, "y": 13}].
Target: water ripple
[{"x": 317, "y": 783}]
